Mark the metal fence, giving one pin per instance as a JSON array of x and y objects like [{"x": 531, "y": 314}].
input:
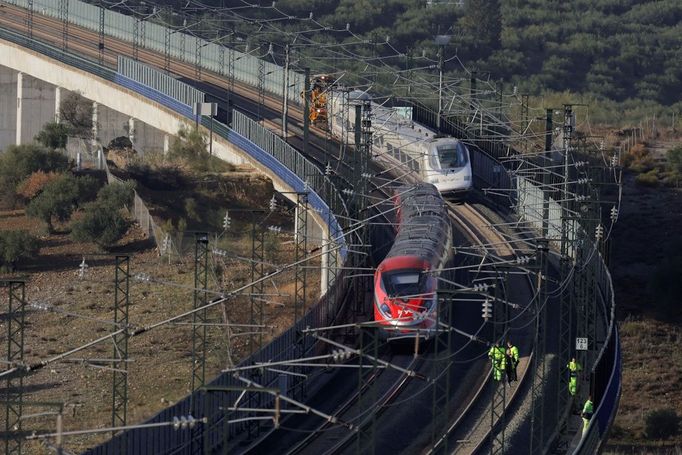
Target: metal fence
[
  {"x": 308, "y": 175},
  {"x": 175, "y": 43},
  {"x": 159, "y": 81},
  {"x": 140, "y": 212}
]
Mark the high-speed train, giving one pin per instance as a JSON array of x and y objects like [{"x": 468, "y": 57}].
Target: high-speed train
[
  {"x": 412, "y": 151},
  {"x": 406, "y": 281}
]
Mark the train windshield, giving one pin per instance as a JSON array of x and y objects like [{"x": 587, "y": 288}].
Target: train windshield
[
  {"x": 452, "y": 155},
  {"x": 404, "y": 283}
]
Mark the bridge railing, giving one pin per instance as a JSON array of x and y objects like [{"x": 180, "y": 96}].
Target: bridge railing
[
  {"x": 152, "y": 77},
  {"x": 182, "y": 46}
]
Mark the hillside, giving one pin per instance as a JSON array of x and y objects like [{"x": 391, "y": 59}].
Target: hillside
[
  {"x": 646, "y": 263},
  {"x": 627, "y": 52}
]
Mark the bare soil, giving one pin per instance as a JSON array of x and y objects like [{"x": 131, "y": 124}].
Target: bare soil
[{"x": 80, "y": 309}]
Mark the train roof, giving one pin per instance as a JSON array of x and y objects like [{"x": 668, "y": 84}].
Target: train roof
[
  {"x": 424, "y": 223},
  {"x": 387, "y": 120}
]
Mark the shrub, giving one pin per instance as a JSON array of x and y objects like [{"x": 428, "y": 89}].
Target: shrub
[
  {"x": 53, "y": 135},
  {"x": 639, "y": 159},
  {"x": 649, "y": 178},
  {"x": 672, "y": 179},
  {"x": 32, "y": 185},
  {"x": 100, "y": 224},
  {"x": 76, "y": 113},
  {"x": 116, "y": 195},
  {"x": 190, "y": 146},
  {"x": 15, "y": 245},
  {"x": 662, "y": 424},
  {"x": 18, "y": 162},
  {"x": 191, "y": 209},
  {"x": 674, "y": 158},
  {"x": 60, "y": 197},
  {"x": 87, "y": 189}
]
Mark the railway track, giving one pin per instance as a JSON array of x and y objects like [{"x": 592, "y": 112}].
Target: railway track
[
  {"x": 474, "y": 423},
  {"x": 474, "y": 227}
]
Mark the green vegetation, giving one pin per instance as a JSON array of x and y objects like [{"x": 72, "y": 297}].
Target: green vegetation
[
  {"x": 15, "y": 245},
  {"x": 60, "y": 198},
  {"x": 19, "y": 162},
  {"x": 674, "y": 157},
  {"x": 53, "y": 135},
  {"x": 103, "y": 223},
  {"x": 116, "y": 195},
  {"x": 191, "y": 147},
  {"x": 662, "y": 424},
  {"x": 640, "y": 160},
  {"x": 76, "y": 113},
  {"x": 627, "y": 54}
]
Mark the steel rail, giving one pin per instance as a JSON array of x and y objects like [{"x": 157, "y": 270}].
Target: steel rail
[{"x": 187, "y": 70}]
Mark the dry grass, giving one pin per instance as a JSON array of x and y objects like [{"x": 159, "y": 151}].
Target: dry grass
[{"x": 651, "y": 374}]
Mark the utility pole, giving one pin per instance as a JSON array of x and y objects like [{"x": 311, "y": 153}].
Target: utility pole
[
  {"x": 363, "y": 150},
  {"x": 14, "y": 385},
  {"x": 546, "y": 177},
  {"x": 524, "y": 113},
  {"x": 64, "y": 15},
  {"x": 230, "y": 77},
  {"x": 285, "y": 94},
  {"x": 539, "y": 367},
  {"x": 166, "y": 49},
  {"x": 119, "y": 408},
  {"x": 306, "y": 109},
  {"x": 300, "y": 283},
  {"x": 301, "y": 239},
  {"x": 498, "y": 394},
  {"x": 257, "y": 272},
  {"x": 261, "y": 89},
  {"x": 29, "y": 21},
  {"x": 197, "y": 59},
  {"x": 101, "y": 34},
  {"x": 442, "y": 343},
  {"x": 441, "y": 41},
  {"x": 367, "y": 397},
  {"x": 200, "y": 299},
  {"x": 472, "y": 96},
  {"x": 136, "y": 38},
  {"x": 257, "y": 313},
  {"x": 565, "y": 265}
]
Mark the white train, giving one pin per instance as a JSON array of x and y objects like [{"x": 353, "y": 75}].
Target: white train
[{"x": 415, "y": 152}]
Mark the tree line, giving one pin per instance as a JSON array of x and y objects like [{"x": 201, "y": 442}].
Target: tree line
[{"x": 609, "y": 50}]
